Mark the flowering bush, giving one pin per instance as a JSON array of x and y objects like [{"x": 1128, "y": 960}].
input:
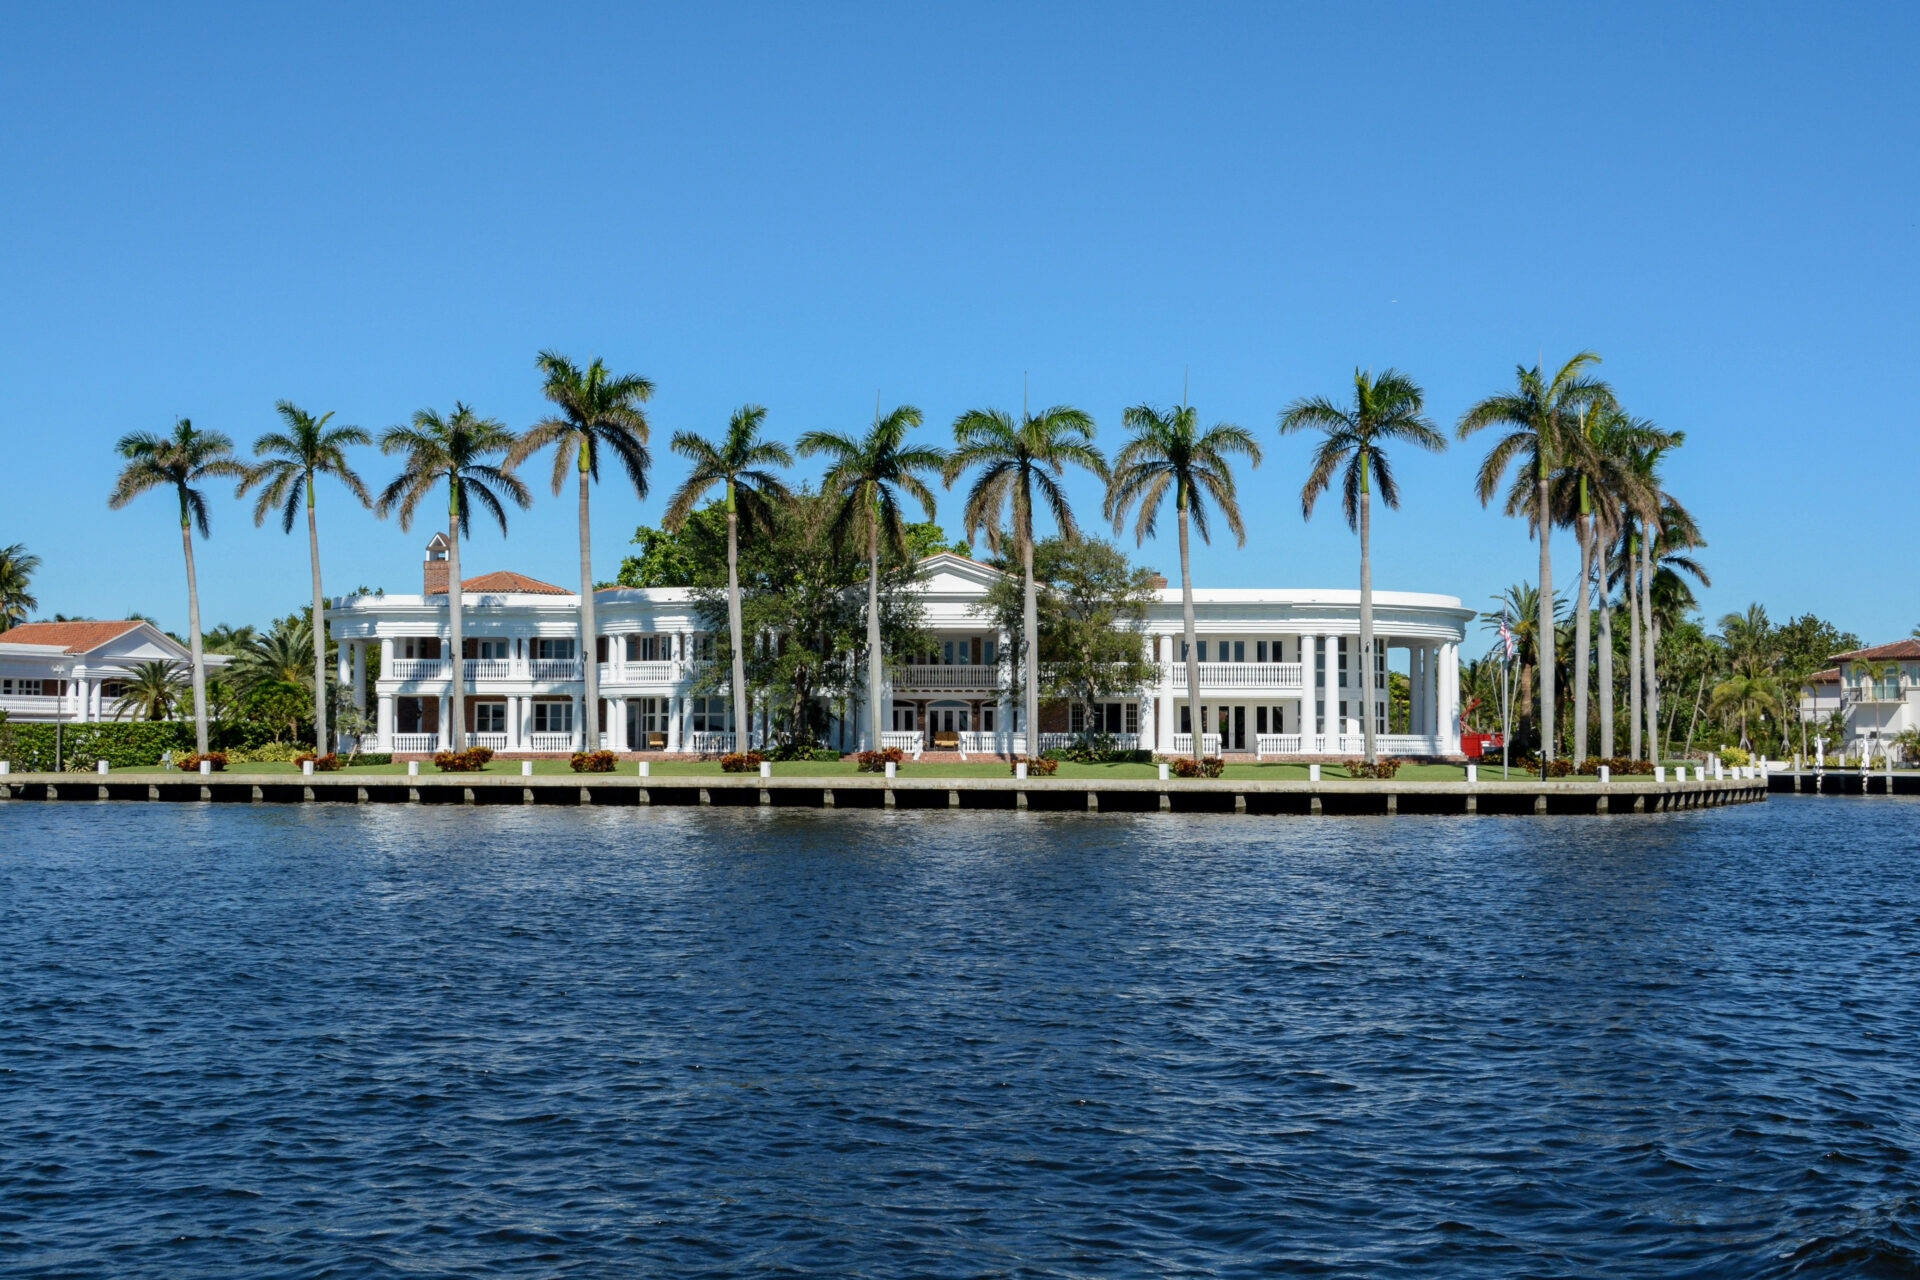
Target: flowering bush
[
  {"x": 1378, "y": 769},
  {"x": 1205, "y": 767},
  {"x": 593, "y": 761},
  {"x": 190, "y": 763},
  {"x": 877, "y": 761},
  {"x": 1735, "y": 757},
  {"x": 741, "y": 762},
  {"x": 472, "y": 760},
  {"x": 1555, "y": 768},
  {"x": 1040, "y": 768},
  {"x": 328, "y": 763},
  {"x": 1619, "y": 765}
]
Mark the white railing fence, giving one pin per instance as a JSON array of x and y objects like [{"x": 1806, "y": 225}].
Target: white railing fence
[
  {"x": 1241, "y": 675},
  {"x": 489, "y": 668},
  {"x": 420, "y": 669},
  {"x": 553, "y": 669},
  {"x": 933, "y": 676},
  {"x": 493, "y": 741},
  {"x": 416, "y": 742},
  {"x": 550, "y": 742},
  {"x": 1209, "y": 744},
  {"x": 1276, "y": 744},
  {"x": 647, "y": 673},
  {"x": 1062, "y": 741},
  {"x": 709, "y": 742},
  {"x": 910, "y": 741}
]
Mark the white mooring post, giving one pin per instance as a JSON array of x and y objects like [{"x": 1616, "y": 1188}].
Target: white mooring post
[
  {"x": 892, "y": 768},
  {"x": 413, "y": 768},
  {"x": 1473, "y": 774},
  {"x": 6, "y": 766},
  {"x": 1019, "y": 770},
  {"x": 99, "y": 766},
  {"x": 1313, "y": 773},
  {"x": 766, "y": 769},
  {"x": 306, "y": 768},
  {"x": 206, "y": 768},
  {"x": 646, "y": 769},
  {"x": 1659, "y": 773},
  {"x": 1163, "y": 771},
  {"x": 1606, "y": 775},
  {"x": 526, "y": 768}
]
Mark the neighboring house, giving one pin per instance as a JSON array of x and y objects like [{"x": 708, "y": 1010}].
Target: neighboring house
[
  {"x": 1878, "y": 691},
  {"x": 73, "y": 671},
  {"x": 1278, "y": 670}
]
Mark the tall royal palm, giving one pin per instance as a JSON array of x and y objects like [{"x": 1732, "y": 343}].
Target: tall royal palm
[
  {"x": 1169, "y": 449},
  {"x": 180, "y": 462},
  {"x": 739, "y": 462},
  {"x": 1387, "y": 409},
  {"x": 453, "y": 448},
  {"x": 289, "y": 461},
  {"x": 863, "y": 474},
  {"x": 598, "y": 410},
  {"x": 17, "y": 567},
  {"x": 1543, "y": 417},
  {"x": 1018, "y": 461}
]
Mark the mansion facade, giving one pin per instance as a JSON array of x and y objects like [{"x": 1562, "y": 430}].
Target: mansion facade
[{"x": 1279, "y": 672}]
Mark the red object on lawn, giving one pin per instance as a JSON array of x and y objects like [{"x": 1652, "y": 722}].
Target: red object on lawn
[{"x": 1475, "y": 745}]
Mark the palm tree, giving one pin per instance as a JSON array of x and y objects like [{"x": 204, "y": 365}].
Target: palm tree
[
  {"x": 862, "y": 474},
  {"x": 739, "y": 462},
  {"x": 1388, "y": 409},
  {"x": 454, "y": 449},
  {"x": 1170, "y": 449},
  {"x": 289, "y": 461},
  {"x": 1666, "y": 529},
  {"x": 180, "y": 461},
  {"x": 598, "y": 410},
  {"x": 1522, "y": 608},
  {"x": 1743, "y": 696},
  {"x": 151, "y": 691},
  {"x": 280, "y": 659},
  {"x": 1015, "y": 462},
  {"x": 1545, "y": 431},
  {"x": 1748, "y": 638},
  {"x": 17, "y": 567}
]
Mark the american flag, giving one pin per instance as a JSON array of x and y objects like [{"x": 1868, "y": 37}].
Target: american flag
[{"x": 1506, "y": 637}]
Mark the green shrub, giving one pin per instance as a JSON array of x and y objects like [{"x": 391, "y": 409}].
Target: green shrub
[
  {"x": 877, "y": 761},
  {"x": 1096, "y": 754},
  {"x": 741, "y": 761},
  {"x": 1044, "y": 767},
  {"x": 1619, "y": 766},
  {"x": 1204, "y": 767},
  {"x": 124, "y": 744},
  {"x": 801, "y": 751},
  {"x": 589, "y": 761},
  {"x": 1386, "y": 768},
  {"x": 269, "y": 753},
  {"x": 1555, "y": 768},
  {"x": 472, "y": 760},
  {"x": 370, "y": 757},
  {"x": 1735, "y": 757}
]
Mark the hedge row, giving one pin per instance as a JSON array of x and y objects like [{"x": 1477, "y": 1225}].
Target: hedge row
[{"x": 121, "y": 743}]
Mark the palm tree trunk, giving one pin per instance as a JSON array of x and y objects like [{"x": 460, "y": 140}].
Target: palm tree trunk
[
  {"x": 319, "y": 630},
  {"x": 742, "y": 718},
  {"x": 1605, "y": 646},
  {"x": 1366, "y": 617},
  {"x": 453, "y": 733},
  {"x": 1582, "y": 636},
  {"x": 1694, "y": 722},
  {"x": 1193, "y": 649},
  {"x": 1633, "y": 647},
  {"x": 1030, "y": 640},
  {"x": 589, "y": 632},
  {"x": 873, "y": 628},
  {"x": 198, "y": 653},
  {"x": 1546, "y": 641},
  {"x": 1652, "y": 641}
]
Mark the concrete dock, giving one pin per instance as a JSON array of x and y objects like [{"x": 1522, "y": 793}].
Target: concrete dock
[{"x": 1636, "y": 795}]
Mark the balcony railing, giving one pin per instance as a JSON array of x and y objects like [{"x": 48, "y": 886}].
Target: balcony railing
[
  {"x": 550, "y": 742},
  {"x": 416, "y": 742},
  {"x": 710, "y": 742},
  {"x": 1276, "y": 744},
  {"x": 553, "y": 669},
  {"x": 639, "y": 673},
  {"x": 1209, "y": 744},
  {"x": 1872, "y": 693},
  {"x": 1241, "y": 675},
  {"x": 492, "y": 741},
  {"x": 935, "y": 676},
  {"x": 910, "y": 741},
  {"x": 420, "y": 669}
]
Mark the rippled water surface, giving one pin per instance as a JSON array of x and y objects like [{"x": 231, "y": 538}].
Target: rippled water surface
[{"x": 387, "y": 1041}]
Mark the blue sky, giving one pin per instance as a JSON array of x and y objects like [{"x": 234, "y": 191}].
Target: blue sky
[{"x": 376, "y": 209}]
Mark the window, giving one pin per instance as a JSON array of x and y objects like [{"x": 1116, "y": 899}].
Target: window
[
  {"x": 490, "y": 649},
  {"x": 1320, "y": 667},
  {"x": 553, "y": 717},
  {"x": 903, "y": 721},
  {"x": 25, "y": 688},
  {"x": 1239, "y": 650},
  {"x": 553, "y": 649},
  {"x": 992, "y": 656},
  {"x": 1260, "y": 652},
  {"x": 709, "y": 714},
  {"x": 1342, "y": 641},
  {"x": 490, "y": 717},
  {"x": 702, "y": 646},
  {"x": 650, "y": 648},
  {"x": 427, "y": 647}
]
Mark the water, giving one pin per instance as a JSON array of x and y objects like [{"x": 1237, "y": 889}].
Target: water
[{"x": 379, "y": 1042}]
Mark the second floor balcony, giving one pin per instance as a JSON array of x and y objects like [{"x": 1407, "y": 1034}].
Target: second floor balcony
[{"x": 1240, "y": 675}]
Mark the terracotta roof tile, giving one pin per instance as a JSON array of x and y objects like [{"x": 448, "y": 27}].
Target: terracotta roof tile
[
  {"x": 1882, "y": 652},
  {"x": 74, "y": 637},
  {"x": 510, "y": 582}
]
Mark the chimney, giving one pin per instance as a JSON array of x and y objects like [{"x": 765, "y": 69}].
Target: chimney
[
  {"x": 434, "y": 571},
  {"x": 1159, "y": 580}
]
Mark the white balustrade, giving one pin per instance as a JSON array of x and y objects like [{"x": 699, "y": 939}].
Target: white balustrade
[
  {"x": 936, "y": 676},
  {"x": 910, "y": 742},
  {"x": 1209, "y": 744},
  {"x": 550, "y": 742},
  {"x": 1276, "y": 744},
  {"x": 491, "y": 741},
  {"x": 647, "y": 673},
  {"x": 489, "y": 668},
  {"x": 553, "y": 669},
  {"x": 420, "y": 669},
  {"x": 1063, "y": 741},
  {"x": 979, "y": 742},
  {"x": 1241, "y": 675},
  {"x": 416, "y": 742},
  {"x": 708, "y": 742},
  {"x": 1405, "y": 744}
]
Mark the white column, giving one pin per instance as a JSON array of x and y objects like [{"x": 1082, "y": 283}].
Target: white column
[
  {"x": 1416, "y": 688},
  {"x": 446, "y": 717},
  {"x": 1449, "y": 699},
  {"x": 1167, "y": 722},
  {"x": 384, "y": 730},
  {"x": 1430, "y": 690},
  {"x": 1309, "y": 718},
  {"x": 343, "y": 662},
  {"x": 585, "y": 730},
  {"x": 1332, "y": 725},
  {"x": 673, "y": 723},
  {"x": 360, "y": 676},
  {"x": 513, "y": 723}
]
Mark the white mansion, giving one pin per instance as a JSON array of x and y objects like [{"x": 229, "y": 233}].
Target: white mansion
[
  {"x": 75, "y": 671},
  {"x": 1278, "y": 671}
]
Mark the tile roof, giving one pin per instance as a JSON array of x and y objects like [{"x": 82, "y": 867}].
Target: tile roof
[
  {"x": 1882, "y": 652},
  {"x": 510, "y": 582},
  {"x": 74, "y": 637}
]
